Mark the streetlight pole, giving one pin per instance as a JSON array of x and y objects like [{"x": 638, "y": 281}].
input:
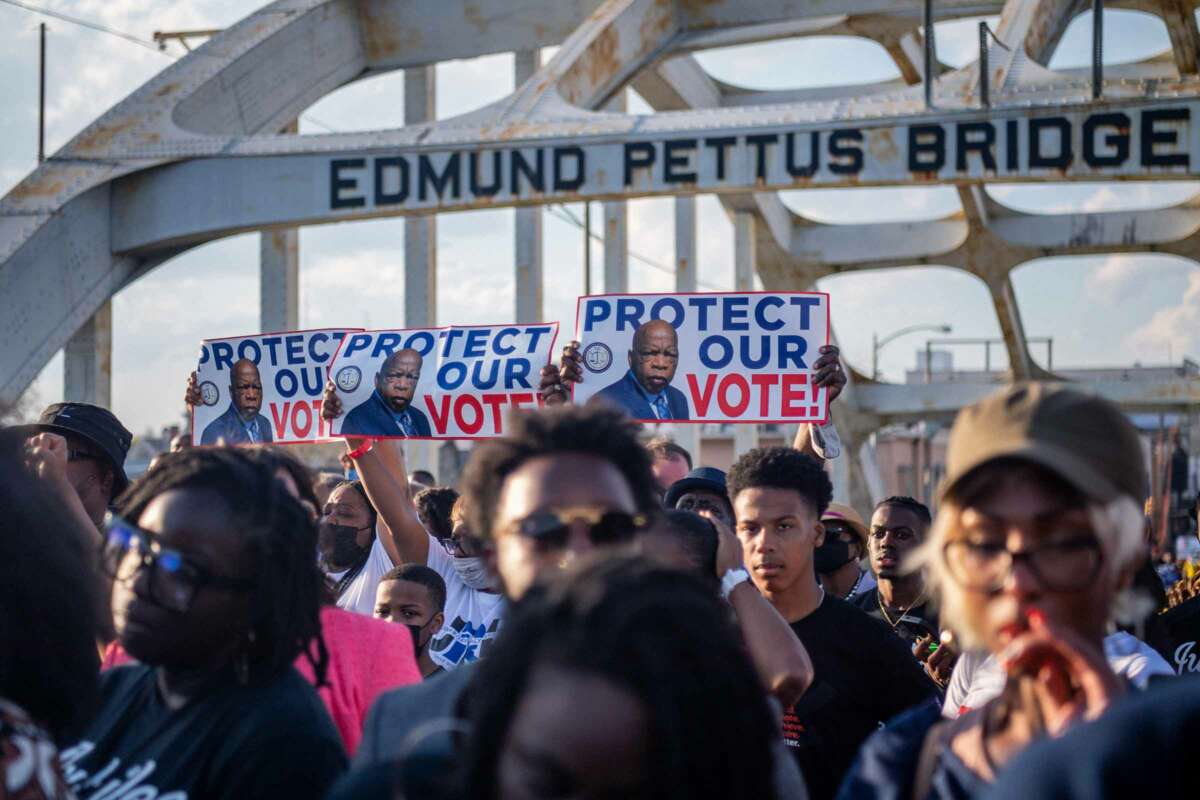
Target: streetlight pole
[{"x": 878, "y": 344}]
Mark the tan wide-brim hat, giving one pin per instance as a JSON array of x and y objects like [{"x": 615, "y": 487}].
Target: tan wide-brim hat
[
  {"x": 1084, "y": 439},
  {"x": 846, "y": 514}
]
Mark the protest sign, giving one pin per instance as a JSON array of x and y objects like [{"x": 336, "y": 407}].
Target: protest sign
[
  {"x": 264, "y": 388},
  {"x": 715, "y": 357},
  {"x": 457, "y": 382}
]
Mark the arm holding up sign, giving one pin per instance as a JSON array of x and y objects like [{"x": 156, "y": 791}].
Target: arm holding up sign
[{"x": 385, "y": 477}]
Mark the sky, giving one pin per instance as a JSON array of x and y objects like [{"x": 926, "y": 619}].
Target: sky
[{"x": 1122, "y": 309}]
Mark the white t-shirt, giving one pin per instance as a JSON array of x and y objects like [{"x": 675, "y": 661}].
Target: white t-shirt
[
  {"x": 472, "y": 616},
  {"x": 359, "y": 596},
  {"x": 978, "y": 676}
]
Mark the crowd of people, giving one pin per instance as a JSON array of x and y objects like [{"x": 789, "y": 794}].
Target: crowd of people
[{"x": 588, "y": 614}]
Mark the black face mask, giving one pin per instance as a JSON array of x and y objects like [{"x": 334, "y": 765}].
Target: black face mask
[
  {"x": 831, "y": 555},
  {"x": 345, "y": 543},
  {"x": 415, "y": 630}
]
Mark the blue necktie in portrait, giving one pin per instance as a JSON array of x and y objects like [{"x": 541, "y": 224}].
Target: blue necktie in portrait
[
  {"x": 406, "y": 425},
  {"x": 661, "y": 409}
]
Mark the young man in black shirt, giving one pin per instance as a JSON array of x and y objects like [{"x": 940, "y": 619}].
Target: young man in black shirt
[{"x": 863, "y": 675}]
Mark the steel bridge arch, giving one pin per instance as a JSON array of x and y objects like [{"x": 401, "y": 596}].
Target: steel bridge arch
[{"x": 194, "y": 154}]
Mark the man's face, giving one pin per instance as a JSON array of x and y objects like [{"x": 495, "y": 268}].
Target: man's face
[
  {"x": 407, "y": 603},
  {"x": 90, "y": 476},
  {"x": 397, "y": 381},
  {"x": 895, "y": 533},
  {"x": 668, "y": 470},
  {"x": 699, "y": 500},
  {"x": 654, "y": 356},
  {"x": 550, "y": 483},
  {"x": 778, "y": 530},
  {"x": 246, "y": 389}
]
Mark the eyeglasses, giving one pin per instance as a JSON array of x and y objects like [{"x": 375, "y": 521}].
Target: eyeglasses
[
  {"x": 174, "y": 579},
  {"x": 550, "y": 529},
  {"x": 454, "y": 546},
  {"x": 1065, "y": 566},
  {"x": 83, "y": 455}
]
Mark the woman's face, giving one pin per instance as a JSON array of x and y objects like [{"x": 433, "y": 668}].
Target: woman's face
[
  {"x": 197, "y": 526},
  {"x": 1062, "y": 575},
  {"x": 549, "y": 754}
]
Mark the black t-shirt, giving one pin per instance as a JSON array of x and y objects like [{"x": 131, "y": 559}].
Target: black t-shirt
[
  {"x": 274, "y": 740},
  {"x": 910, "y": 626},
  {"x": 863, "y": 676}
]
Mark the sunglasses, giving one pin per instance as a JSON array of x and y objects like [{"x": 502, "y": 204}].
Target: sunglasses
[
  {"x": 550, "y": 529},
  {"x": 174, "y": 579}
]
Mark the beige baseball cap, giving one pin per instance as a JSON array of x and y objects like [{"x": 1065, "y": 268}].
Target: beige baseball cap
[{"x": 1084, "y": 439}]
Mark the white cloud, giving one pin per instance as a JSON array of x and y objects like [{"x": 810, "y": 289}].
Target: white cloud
[{"x": 1176, "y": 328}]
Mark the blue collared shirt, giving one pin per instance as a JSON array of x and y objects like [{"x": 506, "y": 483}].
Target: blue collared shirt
[{"x": 650, "y": 398}]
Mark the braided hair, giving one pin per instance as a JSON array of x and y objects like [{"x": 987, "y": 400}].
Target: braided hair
[
  {"x": 282, "y": 537},
  {"x": 662, "y": 636}
]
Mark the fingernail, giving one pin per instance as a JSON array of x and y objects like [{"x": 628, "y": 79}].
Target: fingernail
[{"x": 1036, "y": 615}]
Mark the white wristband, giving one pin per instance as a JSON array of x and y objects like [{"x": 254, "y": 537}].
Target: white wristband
[{"x": 731, "y": 579}]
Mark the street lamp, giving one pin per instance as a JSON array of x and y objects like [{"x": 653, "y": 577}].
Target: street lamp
[{"x": 877, "y": 343}]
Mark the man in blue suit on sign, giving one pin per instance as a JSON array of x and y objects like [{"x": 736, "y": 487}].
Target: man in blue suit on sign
[
  {"x": 389, "y": 410},
  {"x": 645, "y": 391},
  {"x": 241, "y": 423}
]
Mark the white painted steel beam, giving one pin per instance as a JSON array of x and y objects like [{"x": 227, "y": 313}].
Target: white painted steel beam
[
  {"x": 87, "y": 360},
  {"x": 189, "y": 157},
  {"x": 527, "y": 237},
  {"x": 420, "y": 233}
]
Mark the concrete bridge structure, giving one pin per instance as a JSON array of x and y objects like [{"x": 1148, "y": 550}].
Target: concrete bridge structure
[{"x": 208, "y": 148}]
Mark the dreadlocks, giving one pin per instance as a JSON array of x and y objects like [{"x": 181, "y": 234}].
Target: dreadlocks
[
  {"x": 660, "y": 635},
  {"x": 281, "y": 534}
]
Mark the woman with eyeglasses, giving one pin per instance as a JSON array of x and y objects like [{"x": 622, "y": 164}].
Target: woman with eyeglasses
[
  {"x": 1038, "y": 532},
  {"x": 226, "y": 596}
]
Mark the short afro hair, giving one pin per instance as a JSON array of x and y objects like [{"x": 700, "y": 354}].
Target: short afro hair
[
  {"x": 584, "y": 430},
  {"x": 782, "y": 468},
  {"x": 911, "y": 503},
  {"x": 433, "y": 509},
  {"x": 423, "y": 575}
]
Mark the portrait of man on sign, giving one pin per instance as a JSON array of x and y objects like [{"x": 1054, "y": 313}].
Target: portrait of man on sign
[
  {"x": 645, "y": 391},
  {"x": 389, "y": 410},
  {"x": 241, "y": 424}
]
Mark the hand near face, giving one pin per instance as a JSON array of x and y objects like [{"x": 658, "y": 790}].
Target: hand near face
[
  {"x": 46, "y": 455},
  {"x": 191, "y": 395},
  {"x": 729, "y": 547},
  {"x": 828, "y": 373},
  {"x": 1070, "y": 677}
]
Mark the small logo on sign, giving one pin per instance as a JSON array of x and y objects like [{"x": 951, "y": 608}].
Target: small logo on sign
[
  {"x": 597, "y": 357},
  {"x": 348, "y": 378},
  {"x": 209, "y": 394}
]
